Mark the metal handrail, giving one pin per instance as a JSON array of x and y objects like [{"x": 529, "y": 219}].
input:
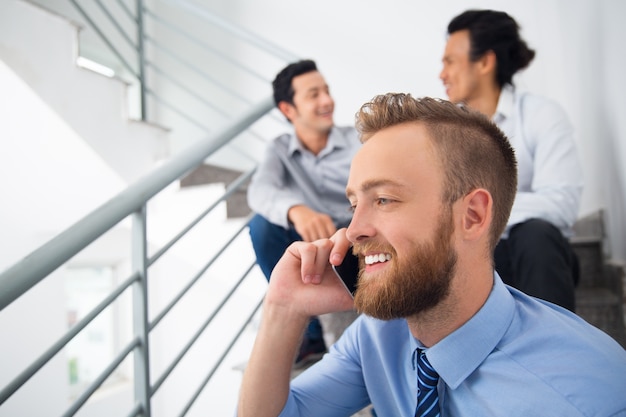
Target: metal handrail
[
  {"x": 35, "y": 267},
  {"x": 22, "y": 276},
  {"x": 27, "y": 272}
]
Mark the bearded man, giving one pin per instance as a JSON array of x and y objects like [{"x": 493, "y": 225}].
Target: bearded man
[{"x": 431, "y": 190}]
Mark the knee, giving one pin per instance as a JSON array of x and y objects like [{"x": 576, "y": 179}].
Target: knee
[
  {"x": 540, "y": 240},
  {"x": 259, "y": 226}
]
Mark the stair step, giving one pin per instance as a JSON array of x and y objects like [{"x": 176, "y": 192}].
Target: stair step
[
  {"x": 236, "y": 204},
  {"x": 590, "y": 259},
  {"x": 602, "y": 308}
]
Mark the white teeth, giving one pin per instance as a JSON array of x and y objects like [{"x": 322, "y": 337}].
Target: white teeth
[{"x": 381, "y": 257}]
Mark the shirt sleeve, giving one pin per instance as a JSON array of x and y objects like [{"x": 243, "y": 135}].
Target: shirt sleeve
[
  {"x": 556, "y": 174},
  {"x": 332, "y": 387},
  {"x": 268, "y": 193}
]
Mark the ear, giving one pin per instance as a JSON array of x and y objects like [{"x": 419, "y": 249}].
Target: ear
[
  {"x": 488, "y": 62},
  {"x": 286, "y": 109},
  {"x": 477, "y": 214}
]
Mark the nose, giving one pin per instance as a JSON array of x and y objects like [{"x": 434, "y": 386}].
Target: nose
[
  {"x": 327, "y": 99},
  {"x": 442, "y": 74},
  {"x": 360, "y": 228}
]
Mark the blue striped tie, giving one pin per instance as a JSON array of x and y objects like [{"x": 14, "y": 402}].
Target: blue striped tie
[{"x": 427, "y": 397}]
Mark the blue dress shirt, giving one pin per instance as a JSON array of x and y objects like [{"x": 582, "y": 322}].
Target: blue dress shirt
[
  {"x": 291, "y": 175},
  {"x": 517, "y": 356}
]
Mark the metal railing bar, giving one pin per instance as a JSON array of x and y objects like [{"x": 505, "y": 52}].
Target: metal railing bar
[
  {"x": 197, "y": 70},
  {"x": 189, "y": 91},
  {"x": 229, "y": 190},
  {"x": 80, "y": 401},
  {"x": 35, "y": 366},
  {"x": 105, "y": 39},
  {"x": 198, "y": 124},
  {"x": 198, "y": 333},
  {"x": 191, "y": 282},
  {"x": 136, "y": 410},
  {"x": 205, "y": 46},
  {"x": 220, "y": 360},
  {"x": 24, "y": 274},
  {"x": 178, "y": 111},
  {"x": 141, "y": 61},
  {"x": 116, "y": 24},
  {"x": 139, "y": 262},
  {"x": 247, "y": 36},
  {"x": 126, "y": 10}
]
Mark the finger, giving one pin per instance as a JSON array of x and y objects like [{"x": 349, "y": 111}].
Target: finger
[
  {"x": 306, "y": 234},
  {"x": 340, "y": 248},
  {"x": 316, "y": 265},
  {"x": 307, "y": 252},
  {"x": 324, "y": 228},
  {"x": 330, "y": 229}
]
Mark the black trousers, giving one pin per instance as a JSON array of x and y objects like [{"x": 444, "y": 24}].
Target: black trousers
[{"x": 537, "y": 259}]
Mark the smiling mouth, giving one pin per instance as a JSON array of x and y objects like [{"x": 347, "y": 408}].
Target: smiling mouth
[{"x": 377, "y": 258}]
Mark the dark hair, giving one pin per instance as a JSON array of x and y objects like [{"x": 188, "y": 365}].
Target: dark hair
[
  {"x": 473, "y": 151},
  {"x": 491, "y": 30},
  {"x": 283, "y": 90}
]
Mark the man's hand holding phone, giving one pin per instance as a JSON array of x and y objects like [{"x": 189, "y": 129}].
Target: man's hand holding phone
[{"x": 304, "y": 280}]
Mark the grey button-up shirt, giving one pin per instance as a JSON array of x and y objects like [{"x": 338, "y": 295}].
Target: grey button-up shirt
[{"x": 291, "y": 175}]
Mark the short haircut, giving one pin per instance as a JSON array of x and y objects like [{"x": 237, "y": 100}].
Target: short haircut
[
  {"x": 491, "y": 30},
  {"x": 282, "y": 86},
  {"x": 473, "y": 151}
]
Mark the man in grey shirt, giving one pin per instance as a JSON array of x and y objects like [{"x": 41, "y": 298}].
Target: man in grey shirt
[{"x": 298, "y": 191}]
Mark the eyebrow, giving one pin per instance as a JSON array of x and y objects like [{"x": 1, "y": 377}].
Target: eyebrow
[
  {"x": 317, "y": 88},
  {"x": 371, "y": 184}
]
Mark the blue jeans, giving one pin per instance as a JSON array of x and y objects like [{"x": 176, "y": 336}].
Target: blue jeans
[{"x": 270, "y": 242}]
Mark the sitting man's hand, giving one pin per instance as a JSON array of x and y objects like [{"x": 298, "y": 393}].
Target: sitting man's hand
[{"x": 310, "y": 224}]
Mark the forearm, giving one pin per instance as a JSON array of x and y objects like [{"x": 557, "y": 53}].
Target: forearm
[
  {"x": 559, "y": 207},
  {"x": 265, "y": 385}
]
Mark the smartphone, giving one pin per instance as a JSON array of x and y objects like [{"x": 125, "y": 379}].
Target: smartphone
[{"x": 348, "y": 271}]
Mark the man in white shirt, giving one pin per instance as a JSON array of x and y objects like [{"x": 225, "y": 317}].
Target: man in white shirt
[{"x": 484, "y": 50}]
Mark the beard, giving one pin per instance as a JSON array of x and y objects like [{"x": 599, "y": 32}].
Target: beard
[{"x": 411, "y": 284}]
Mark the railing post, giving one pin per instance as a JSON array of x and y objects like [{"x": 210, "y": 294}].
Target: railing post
[
  {"x": 140, "y": 310},
  {"x": 141, "y": 59}
]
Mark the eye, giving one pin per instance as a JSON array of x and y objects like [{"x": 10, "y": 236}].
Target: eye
[{"x": 382, "y": 201}]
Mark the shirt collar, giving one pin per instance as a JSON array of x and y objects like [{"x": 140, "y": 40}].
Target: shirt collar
[
  {"x": 506, "y": 104},
  {"x": 460, "y": 353},
  {"x": 335, "y": 140}
]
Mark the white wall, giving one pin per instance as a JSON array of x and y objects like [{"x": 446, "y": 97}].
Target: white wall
[{"x": 44, "y": 165}]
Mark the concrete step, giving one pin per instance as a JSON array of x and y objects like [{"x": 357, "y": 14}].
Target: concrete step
[
  {"x": 590, "y": 259},
  {"x": 600, "y": 291},
  {"x": 602, "y": 308}
]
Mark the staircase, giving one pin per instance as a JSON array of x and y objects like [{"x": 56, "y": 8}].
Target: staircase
[{"x": 600, "y": 293}]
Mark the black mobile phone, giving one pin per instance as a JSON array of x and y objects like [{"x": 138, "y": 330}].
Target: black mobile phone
[{"x": 348, "y": 271}]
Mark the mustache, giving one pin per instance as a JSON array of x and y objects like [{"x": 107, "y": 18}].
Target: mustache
[{"x": 369, "y": 247}]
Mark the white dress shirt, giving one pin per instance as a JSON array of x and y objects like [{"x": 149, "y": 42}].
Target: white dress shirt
[{"x": 550, "y": 177}]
